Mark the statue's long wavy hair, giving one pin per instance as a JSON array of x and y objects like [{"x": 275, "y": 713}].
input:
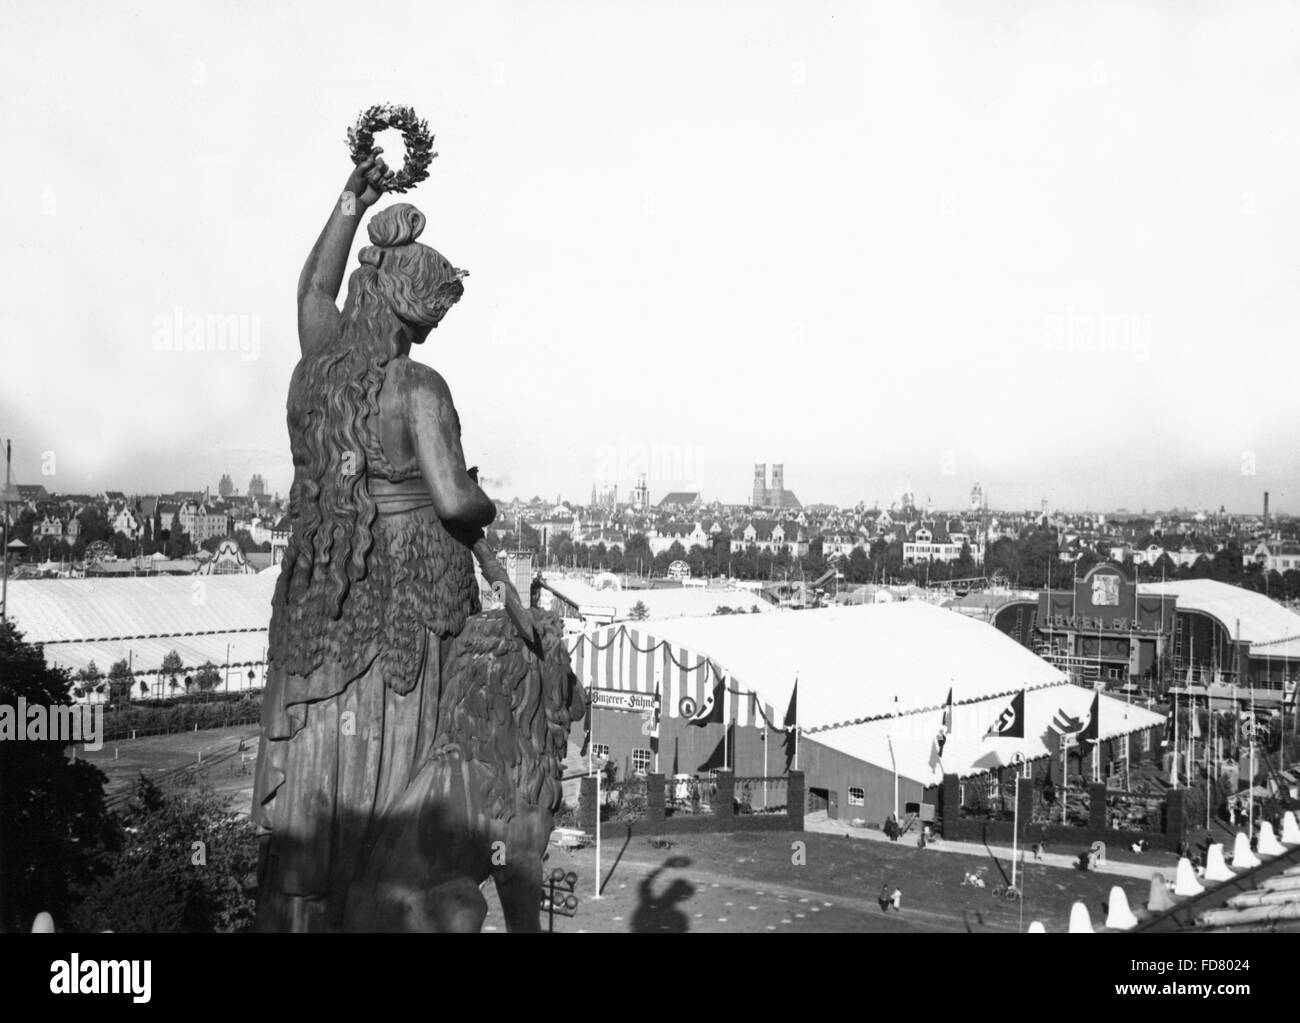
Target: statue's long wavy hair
[{"x": 333, "y": 413}]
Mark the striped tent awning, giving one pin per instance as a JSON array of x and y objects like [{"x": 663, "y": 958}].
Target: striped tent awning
[{"x": 627, "y": 659}]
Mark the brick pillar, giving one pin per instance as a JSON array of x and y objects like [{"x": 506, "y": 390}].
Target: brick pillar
[
  {"x": 795, "y": 800},
  {"x": 587, "y": 802},
  {"x": 949, "y": 808},
  {"x": 724, "y": 799},
  {"x": 1025, "y": 802},
  {"x": 1175, "y": 815},
  {"x": 654, "y": 798},
  {"x": 1097, "y": 808}
]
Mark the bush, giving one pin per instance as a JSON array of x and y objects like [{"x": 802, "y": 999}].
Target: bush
[{"x": 185, "y": 861}]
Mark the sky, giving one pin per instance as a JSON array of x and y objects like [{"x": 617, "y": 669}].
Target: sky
[{"x": 1047, "y": 247}]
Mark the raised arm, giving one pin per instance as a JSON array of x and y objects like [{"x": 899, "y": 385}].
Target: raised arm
[
  {"x": 435, "y": 429},
  {"x": 318, "y": 285}
]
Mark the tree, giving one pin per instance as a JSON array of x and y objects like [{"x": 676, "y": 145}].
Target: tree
[
  {"x": 964, "y": 566},
  {"x": 858, "y": 569},
  {"x": 119, "y": 682},
  {"x": 55, "y": 823},
  {"x": 95, "y": 527},
  {"x": 172, "y": 665},
  {"x": 152, "y": 882},
  {"x": 1003, "y": 558},
  {"x": 178, "y": 543},
  {"x": 248, "y": 545},
  {"x": 207, "y": 677},
  {"x": 90, "y": 676},
  {"x": 639, "y": 612}
]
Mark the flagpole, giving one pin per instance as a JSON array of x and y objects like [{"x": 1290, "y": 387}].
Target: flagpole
[
  {"x": 893, "y": 758},
  {"x": 1250, "y": 782},
  {"x": 1065, "y": 776},
  {"x": 1173, "y": 781},
  {"x": 726, "y": 726},
  {"x": 591, "y": 746}
]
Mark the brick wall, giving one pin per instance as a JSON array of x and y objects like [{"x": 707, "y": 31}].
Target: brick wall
[
  {"x": 723, "y": 818},
  {"x": 957, "y": 829}
]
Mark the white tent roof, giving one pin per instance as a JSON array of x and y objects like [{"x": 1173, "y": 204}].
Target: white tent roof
[
  {"x": 966, "y": 750},
  {"x": 851, "y": 662},
  {"x": 1263, "y": 620},
  {"x": 72, "y": 610},
  {"x": 668, "y": 602}
]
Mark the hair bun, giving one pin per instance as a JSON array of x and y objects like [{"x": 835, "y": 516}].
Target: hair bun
[{"x": 397, "y": 225}]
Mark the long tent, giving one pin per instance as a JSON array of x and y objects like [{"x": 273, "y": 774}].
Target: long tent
[{"x": 853, "y": 663}]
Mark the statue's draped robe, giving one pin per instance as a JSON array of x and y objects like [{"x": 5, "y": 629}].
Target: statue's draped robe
[{"x": 345, "y": 730}]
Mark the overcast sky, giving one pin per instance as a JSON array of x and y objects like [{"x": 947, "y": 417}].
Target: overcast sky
[{"x": 1049, "y": 247}]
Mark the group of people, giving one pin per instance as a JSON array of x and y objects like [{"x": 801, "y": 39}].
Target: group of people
[{"x": 890, "y": 897}]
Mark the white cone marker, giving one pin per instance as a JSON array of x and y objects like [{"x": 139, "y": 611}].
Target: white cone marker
[
  {"x": 1242, "y": 857},
  {"x": 1268, "y": 845},
  {"x": 1185, "y": 884},
  {"x": 1216, "y": 867},
  {"x": 1119, "y": 917},
  {"x": 1080, "y": 921}
]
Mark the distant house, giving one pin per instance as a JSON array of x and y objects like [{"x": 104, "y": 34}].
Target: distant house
[
  {"x": 770, "y": 535},
  {"x": 928, "y": 544},
  {"x": 126, "y": 520},
  {"x": 1273, "y": 556}
]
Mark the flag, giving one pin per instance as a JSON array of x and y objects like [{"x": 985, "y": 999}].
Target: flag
[
  {"x": 650, "y": 723},
  {"x": 791, "y": 725},
  {"x": 1064, "y": 724},
  {"x": 1092, "y": 730},
  {"x": 1011, "y": 722},
  {"x": 711, "y": 712},
  {"x": 791, "y": 712},
  {"x": 945, "y": 729}
]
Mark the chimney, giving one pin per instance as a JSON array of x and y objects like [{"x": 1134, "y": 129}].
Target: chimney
[{"x": 1265, "y": 509}]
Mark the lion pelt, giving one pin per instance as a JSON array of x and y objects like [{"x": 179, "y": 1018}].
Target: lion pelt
[{"x": 508, "y": 712}]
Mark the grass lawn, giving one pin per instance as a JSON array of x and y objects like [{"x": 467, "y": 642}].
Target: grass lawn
[
  {"x": 158, "y": 756},
  {"x": 748, "y": 882}
]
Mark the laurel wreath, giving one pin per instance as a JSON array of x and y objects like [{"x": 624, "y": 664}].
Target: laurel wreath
[{"x": 415, "y": 135}]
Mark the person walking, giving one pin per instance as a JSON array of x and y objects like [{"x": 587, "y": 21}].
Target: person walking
[
  {"x": 884, "y": 898},
  {"x": 896, "y": 900}
]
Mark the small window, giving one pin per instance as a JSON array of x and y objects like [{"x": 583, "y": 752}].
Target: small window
[
  {"x": 857, "y": 797},
  {"x": 600, "y": 750},
  {"x": 641, "y": 759}
]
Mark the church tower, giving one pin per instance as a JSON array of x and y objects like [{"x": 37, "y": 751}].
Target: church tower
[{"x": 760, "y": 485}]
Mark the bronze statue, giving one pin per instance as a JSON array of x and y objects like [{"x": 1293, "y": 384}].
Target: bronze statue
[{"x": 404, "y": 730}]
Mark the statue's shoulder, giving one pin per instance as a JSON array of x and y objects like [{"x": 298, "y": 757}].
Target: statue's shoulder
[{"x": 412, "y": 378}]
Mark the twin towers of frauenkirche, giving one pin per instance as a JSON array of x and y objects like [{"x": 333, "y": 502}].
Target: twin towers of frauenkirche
[{"x": 775, "y": 496}]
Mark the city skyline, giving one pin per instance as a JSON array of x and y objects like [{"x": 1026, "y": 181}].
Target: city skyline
[{"x": 624, "y": 497}]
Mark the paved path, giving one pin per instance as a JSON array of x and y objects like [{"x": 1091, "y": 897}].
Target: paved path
[{"x": 818, "y": 822}]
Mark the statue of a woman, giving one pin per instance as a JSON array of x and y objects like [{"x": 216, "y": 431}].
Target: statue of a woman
[{"x": 378, "y": 576}]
